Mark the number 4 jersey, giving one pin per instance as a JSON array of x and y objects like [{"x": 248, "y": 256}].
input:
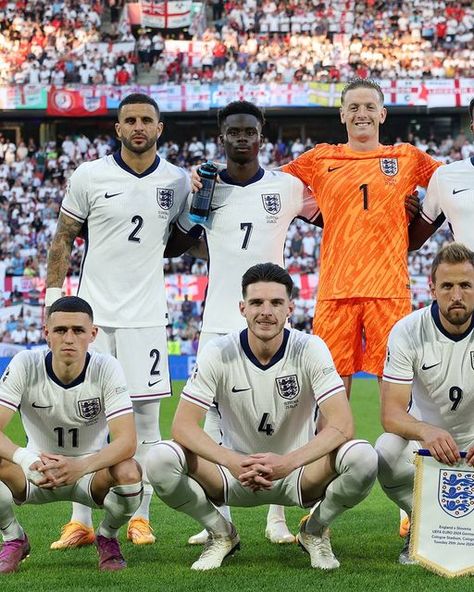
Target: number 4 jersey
[
  {"x": 248, "y": 225},
  {"x": 65, "y": 419},
  {"x": 441, "y": 368},
  {"x": 264, "y": 408},
  {"x": 127, "y": 217}
]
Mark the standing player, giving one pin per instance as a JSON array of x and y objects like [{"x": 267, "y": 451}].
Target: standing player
[
  {"x": 251, "y": 211},
  {"x": 430, "y": 361},
  {"x": 360, "y": 187},
  {"x": 124, "y": 204},
  {"x": 265, "y": 380},
  {"x": 70, "y": 401},
  {"x": 450, "y": 195}
]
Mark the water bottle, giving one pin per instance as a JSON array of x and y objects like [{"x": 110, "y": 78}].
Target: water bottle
[{"x": 201, "y": 202}]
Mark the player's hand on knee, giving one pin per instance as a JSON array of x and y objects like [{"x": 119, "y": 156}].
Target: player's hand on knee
[{"x": 441, "y": 445}]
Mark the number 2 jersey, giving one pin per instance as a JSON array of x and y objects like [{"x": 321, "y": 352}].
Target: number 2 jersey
[
  {"x": 248, "y": 225},
  {"x": 264, "y": 408},
  {"x": 362, "y": 199},
  {"x": 65, "y": 419},
  {"x": 441, "y": 368},
  {"x": 127, "y": 218}
]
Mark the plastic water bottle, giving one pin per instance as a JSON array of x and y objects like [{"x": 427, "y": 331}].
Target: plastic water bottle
[{"x": 201, "y": 202}]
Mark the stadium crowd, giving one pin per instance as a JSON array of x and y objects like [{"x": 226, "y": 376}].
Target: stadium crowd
[
  {"x": 69, "y": 42},
  {"x": 32, "y": 184}
]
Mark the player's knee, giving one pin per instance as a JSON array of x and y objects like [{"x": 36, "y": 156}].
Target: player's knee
[
  {"x": 389, "y": 448},
  {"x": 164, "y": 460},
  {"x": 360, "y": 458},
  {"x": 126, "y": 472}
]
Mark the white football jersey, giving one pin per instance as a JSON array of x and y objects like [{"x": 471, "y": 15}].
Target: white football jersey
[
  {"x": 441, "y": 368},
  {"x": 450, "y": 194},
  {"x": 65, "y": 419},
  {"x": 264, "y": 408},
  {"x": 248, "y": 225},
  {"x": 127, "y": 220}
]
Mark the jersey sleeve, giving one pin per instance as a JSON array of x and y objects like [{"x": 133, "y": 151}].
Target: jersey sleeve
[
  {"x": 430, "y": 208},
  {"x": 302, "y": 167},
  {"x": 399, "y": 358},
  {"x": 76, "y": 201},
  {"x": 183, "y": 196},
  {"x": 183, "y": 222},
  {"x": 201, "y": 387},
  {"x": 325, "y": 380},
  {"x": 13, "y": 382},
  {"x": 426, "y": 167},
  {"x": 116, "y": 398},
  {"x": 309, "y": 209}
]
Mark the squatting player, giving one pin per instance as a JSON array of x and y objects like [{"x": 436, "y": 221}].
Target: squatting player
[
  {"x": 71, "y": 400},
  {"x": 251, "y": 211},
  {"x": 430, "y": 360},
  {"x": 124, "y": 204},
  {"x": 265, "y": 381}
]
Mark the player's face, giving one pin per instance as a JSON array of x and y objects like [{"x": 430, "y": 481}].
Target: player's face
[
  {"x": 266, "y": 308},
  {"x": 453, "y": 289},
  {"x": 139, "y": 127},
  {"x": 242, "y": 137},
  {"x": 68, "y": 335},
  {"x": 362, "y": 113}
]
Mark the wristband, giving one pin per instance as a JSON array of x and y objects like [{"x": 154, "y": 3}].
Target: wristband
[
  {"x": 52, "y": 294},
  {"x": 25, "y": 458}
]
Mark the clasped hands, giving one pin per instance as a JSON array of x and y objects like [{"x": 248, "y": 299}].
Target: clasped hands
[
  {"x": 258, "y": 471},
  {"x": 58, "y": 470}
]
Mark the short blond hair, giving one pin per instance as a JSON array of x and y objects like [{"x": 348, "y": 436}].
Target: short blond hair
[{"x": 362, "y": 83}]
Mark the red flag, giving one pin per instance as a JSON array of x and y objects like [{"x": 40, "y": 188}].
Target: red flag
[{"x": 75, "y": 103}]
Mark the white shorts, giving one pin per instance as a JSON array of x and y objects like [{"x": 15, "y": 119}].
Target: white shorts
[
  {"x": 285, "y": 492},
  {"x": 143, "y": 355},
  {"x": 79, "y": 492},
  {"x": 206, "y": 337}
]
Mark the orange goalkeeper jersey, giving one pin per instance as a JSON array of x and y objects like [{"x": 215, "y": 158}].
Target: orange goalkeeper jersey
[{"x": 362, "y": 199}]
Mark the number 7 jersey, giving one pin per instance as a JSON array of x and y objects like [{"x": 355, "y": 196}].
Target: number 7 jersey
[{"x": 362, "y": 199}]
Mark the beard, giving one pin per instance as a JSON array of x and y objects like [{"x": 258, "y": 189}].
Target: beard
[
  {"x": 458, "y": 316},
  {"x": 129, "y": 145}
]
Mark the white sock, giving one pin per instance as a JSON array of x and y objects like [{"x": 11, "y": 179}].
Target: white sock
[
  {"x": 276, "y": 514},
  {"x": 148, "y": 434},
  {"x": 356, "y": 465},
  {"x": 119, "y": 505},
  {"x": 396, "y": 469},
  {"x": 167, "y": 470},
  {"x": 9, "y": 525},
  {"x": 81, "y": 513}
]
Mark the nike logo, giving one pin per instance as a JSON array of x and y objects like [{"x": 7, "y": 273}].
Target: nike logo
[
  {"x": 218, "y": 208},
  {"x": 331, "y": 169},
  {"x": 150, "y": 442},
  {"x": 456, "y": 191},
  {"x": 425, "y": 367},
  {"x": 150, "y": 384},
  {"x": 109, "y": 195},
  {"x": 237, "y": 390},
  {"x": 41, "y": 406}
]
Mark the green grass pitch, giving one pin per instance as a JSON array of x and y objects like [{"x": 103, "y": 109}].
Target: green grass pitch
[{"x": 364, "y": 539}]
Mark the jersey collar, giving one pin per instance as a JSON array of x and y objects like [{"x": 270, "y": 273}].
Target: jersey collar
[
  {"x": 50, "y": 372},
  {"x": 244, "y": 342},
  {"x": 437, "y": 322},
  {"x": 224, "y": 175},
  {"x": 119, "y": 160}
]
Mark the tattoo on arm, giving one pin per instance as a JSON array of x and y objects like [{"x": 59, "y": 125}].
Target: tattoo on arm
[{"x": 60, "y": 250}]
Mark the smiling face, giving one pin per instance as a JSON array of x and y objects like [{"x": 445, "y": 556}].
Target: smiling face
[
  {"x": 138, "y": 127},
  {"x": 241, "y": 135},
  {"x": 266, "y": 307},
  {"x": 362, "y": 113},
  {"x": 453, "y": 289}
]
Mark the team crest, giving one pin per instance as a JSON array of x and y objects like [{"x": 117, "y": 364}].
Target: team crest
[
  {"x": 271, "y": 203},
  {"x": 288, "y": 386},
  {"x": 389, "y": 166},
  {"x": 472, "y": 360},
  {"x": 89, "y": 408},
  {"x": 456, "y": 492},
  {"x": 165, "y": 197}
]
